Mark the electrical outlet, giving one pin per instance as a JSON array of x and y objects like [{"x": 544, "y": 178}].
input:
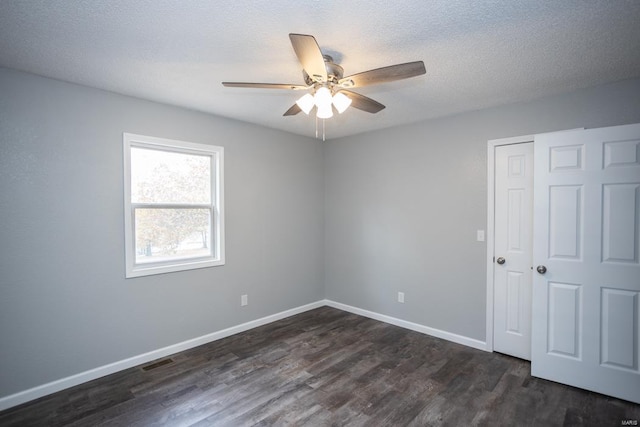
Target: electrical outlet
[
  {"x": 401, "y": 297},
  {"x": 244, "y": 300}
]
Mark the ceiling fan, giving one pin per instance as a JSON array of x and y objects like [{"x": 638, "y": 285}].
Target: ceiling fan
[{"x": 326, "y": 84}]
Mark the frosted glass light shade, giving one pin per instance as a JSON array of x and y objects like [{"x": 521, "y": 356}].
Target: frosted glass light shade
[
  {"x": 324, "y": 111},
  {"x": 323, "y": 102},
  {"x": 306, "y": 103},
  {"x": 322, "y": 97},
  {"x": 341, "y": 102}
]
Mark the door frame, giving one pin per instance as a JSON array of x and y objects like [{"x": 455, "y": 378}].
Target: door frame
[{"x": 491, "y": 148}]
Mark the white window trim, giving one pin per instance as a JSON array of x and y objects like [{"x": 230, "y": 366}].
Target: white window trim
[{"x": 217, "y": 185}]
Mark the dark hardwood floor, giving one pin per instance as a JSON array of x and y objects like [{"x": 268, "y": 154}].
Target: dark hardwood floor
[{"x": 325, "y": 367}]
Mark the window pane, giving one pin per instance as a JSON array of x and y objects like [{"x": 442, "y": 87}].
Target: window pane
[
  {"x": 169, "y": 234},
  {"x": 169, "y": 177}
]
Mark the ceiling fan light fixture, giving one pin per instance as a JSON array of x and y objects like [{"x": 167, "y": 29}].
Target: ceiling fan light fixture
[
  {"x": 341, "y": 102},
  {"x": 323, "y": 101},
  {"x": 326, "y": 85},
  {"x": 306, "y": 103}
]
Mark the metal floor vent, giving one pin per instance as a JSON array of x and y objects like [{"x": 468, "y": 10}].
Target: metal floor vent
[{"x": 157, "y": 364}]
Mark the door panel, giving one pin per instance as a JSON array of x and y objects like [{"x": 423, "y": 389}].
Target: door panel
[
  {"x": 513, "y": 242},
  {"x": 621, "y": 153},
  {"x": 619, "y": 328},
  {"x": 586, "y": 318},
  {"x": 515, "y": 200},
  {"x": 620, "y": 223},
  {"x": 564, "y": 320},
  {"x": 514, "y": 309},
  {"x": 566, "y": 158},
  {"x": 565, "y": 220}
]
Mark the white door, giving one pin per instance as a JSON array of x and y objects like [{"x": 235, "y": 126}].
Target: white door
[
  {"x": 513, "y": 249},
  {"x": 586, "y": 308}
]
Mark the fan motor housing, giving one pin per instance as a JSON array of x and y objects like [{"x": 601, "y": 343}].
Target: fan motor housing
[{"x": 334, "y": 71}]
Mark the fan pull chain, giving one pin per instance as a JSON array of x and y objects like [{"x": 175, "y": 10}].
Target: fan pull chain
[{"x": 323, "y": 130}]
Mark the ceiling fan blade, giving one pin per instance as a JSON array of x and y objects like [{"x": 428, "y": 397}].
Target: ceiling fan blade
[
  {"x": 293, "y": 110},
  {"x": 384, "y": 74},
  {"x": 362, "y": 102},
  {"x": 264, "y": 85},
  {"x": 310, "y": 56}
]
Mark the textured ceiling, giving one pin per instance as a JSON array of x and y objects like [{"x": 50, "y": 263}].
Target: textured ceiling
[{"x": 478, "y": 53}]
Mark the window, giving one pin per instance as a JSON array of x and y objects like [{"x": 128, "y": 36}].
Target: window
[{"x": 173, "y": 201}]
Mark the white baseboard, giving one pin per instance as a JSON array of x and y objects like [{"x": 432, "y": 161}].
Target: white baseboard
[
  {"x": 101, "y": 371},
  {"x": 92, "y": 374},
  {"x": 459, "y": 339}
]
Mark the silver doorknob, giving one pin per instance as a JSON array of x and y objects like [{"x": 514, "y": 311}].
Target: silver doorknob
[
  {"x": 541, "y": 269},
  {"x": 500, "y": 260}
]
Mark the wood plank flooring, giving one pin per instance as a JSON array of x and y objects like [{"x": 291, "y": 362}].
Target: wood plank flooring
[{"x": 320, "y": 368}]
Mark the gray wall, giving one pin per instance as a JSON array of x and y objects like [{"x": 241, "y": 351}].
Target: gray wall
[
  {"x": 65, "y": 306},
  {"x": 399, "y": 213},
  {"x": 403, "y": 205}
]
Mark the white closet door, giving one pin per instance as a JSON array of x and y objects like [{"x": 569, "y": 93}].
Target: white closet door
[
  {"x": 513, "y": 226},
  {"x": 586, "y": 315}
]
